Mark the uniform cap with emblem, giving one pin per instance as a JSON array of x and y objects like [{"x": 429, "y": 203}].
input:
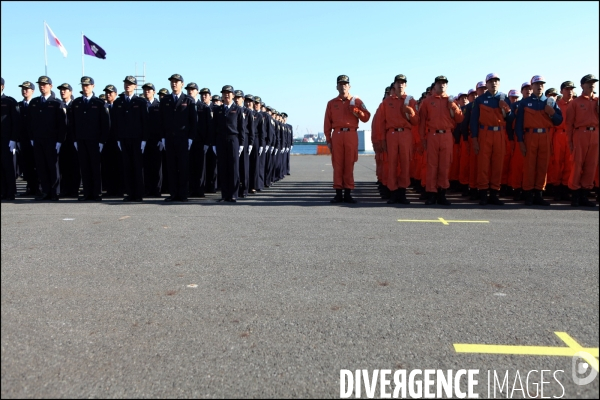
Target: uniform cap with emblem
[
  {"x": 589, "y": 78},
  {"x": 205, "y": 90},
  {"x": 343, "y": 79},
  {"x": 257, "y": 99},
  {"x": 480, "y": 84},
  {"x": 86, "y": 80},
  {"x": 400, "y": 77},
  {"x": 110, "y": 88},
  {"x": 216, "y": 97},
  {"x": 567, "y": 84},
  {"x": 538, "y": 79},
  {"x": 44, "y": 79},
  {"x": 176, "y": 77},
  {"x": 513, "y": 93},
  {"x": 284, "y": 115},
  {"x": 441, "y": 78},
  {"x": 27, "y": 85},
  {"x": 163, "y": 91},
  {"x": 191, "y": 85},
  {"x": 249, "y": 97},
  {"x": 65, "y": 86},
  {"x": 227, "y": 88},
  {"x": 471, "y": 91},
  {"x": 493, "y": 75},
  {"x": 525, "y": 84},
  {"x": 149, "y": 86},
  {"x": 238, "y": 93},
  {"x": 130, "y": 79},
  {"x": 551, "y": 92}
]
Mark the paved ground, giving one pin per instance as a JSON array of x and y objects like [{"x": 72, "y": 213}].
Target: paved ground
[{"x": 290, "y": 290}]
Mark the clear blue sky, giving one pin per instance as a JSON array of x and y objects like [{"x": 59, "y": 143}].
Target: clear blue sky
[{"x": 290, "y": 53}]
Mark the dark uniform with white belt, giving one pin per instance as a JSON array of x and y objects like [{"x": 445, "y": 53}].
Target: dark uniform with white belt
[
  {"x": 248, "y": 142},
  {"x": 9, "y": 138}
]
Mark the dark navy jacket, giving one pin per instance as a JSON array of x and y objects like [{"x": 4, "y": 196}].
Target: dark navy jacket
[
  {"x": 47, "y": 120},
  {"x": 178, "y": 120},
  {"x": 89, "y": 121},
  {"x": 227, "y": 123},
  {"x": 205, "y": 123},
  {"x": 10, "y": 119},
  {"x": 130, "y": 119},
  {"x": 154, "y": 133},
  {"x": 532, "y": 115},
  {"x": 464, "y": 125},
  {"x": 250, "y": 132},
  {"x": 488, "y": 107}
]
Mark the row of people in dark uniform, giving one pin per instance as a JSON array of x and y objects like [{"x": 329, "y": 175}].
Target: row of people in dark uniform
[{"x": 140, "y": 146}]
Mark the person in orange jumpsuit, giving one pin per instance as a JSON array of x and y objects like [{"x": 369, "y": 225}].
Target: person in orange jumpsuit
[
  {"x": 397, "y": 117},
  {"x": 423, "y": 151},
  {"x": 480, "y": 89},
  {"x": 561, "y": 158},
  {"x": 505, "y": 190},
  {"x": 461, "y": 102},
  {"x": 551, "y": 174},
  {"x": 376, "y": 142},
  {"x": 341, "y": 122},
  {"x": 535, "y": 118},
  {"x": 582, "y": 136},
  {"x": 438, "y": 116},
  {"x": 379, "y": 136},
  {"x": 515, "y": 175},
  {"x": 487, "y": 125},
  {"x": 465, "y": 146}
]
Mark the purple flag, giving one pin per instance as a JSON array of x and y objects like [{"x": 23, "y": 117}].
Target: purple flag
[{"x": 92, "y": 49}]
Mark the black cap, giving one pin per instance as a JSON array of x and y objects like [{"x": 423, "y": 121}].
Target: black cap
[
  {"x": 400, "y": 77},
  {"x": 249, "y": 97},
  {"x": 343, "y": 79},
  {"x": 110, "y": 88},
  {"x": 102, "y": 96},
  {"x": 177, "y": 77},
  {"x": 205, "y": 90},
  {"x": 227, "y": 88},
  {"x": 44, "y": 79},
  {"x": 589, "y": 78},
  {"x": 567, "y": 84},
  {"x": 441, "y": 78},
  {"x": 551, "y": 92},
  {"x": 163, "y": 91},
  {"x": 191, "y": 85},
  {"x": 149, "y": 86},
  {"x": 216, "y": 97},
  {"x": 27, "y": 85},
  {"x": 238, "y": 93},
  {"x": 387, "y": 89},
  {"x": 262, "y": 103},
  {"x": 257, "y": 99},
  {"x": 130, "y": 79},
  {"x": 65, "y": 86},
  {"x": 284, "y": 115},
  {"x": 86, "y": 80}
]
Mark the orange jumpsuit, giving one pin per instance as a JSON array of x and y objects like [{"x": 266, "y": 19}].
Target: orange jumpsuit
[
  {"x": 415, "y": 164},
  {"x": 376, "y": 146},
  {"x": 582, "y": 131},
  {"x": 560, "y": 166},
  {"x": 339, "y": 117},
  {"x": 435, "y": 127},
  {"x": 398, "y": 133}
]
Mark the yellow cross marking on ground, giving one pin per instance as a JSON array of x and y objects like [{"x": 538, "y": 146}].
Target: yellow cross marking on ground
[
  {"x": 589, "y": 354},
  {"x": 443, "y": 221}
]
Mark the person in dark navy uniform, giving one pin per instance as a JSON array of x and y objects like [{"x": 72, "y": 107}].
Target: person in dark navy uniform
[
  {"x": 68, "y": 164},
  {"x": 130, "y": 125},
  {"x": 248, "y": 142},
  {"x": 196, "y": 151},
  {"x": 164, "y": 172},
  {"x": 25, "y": 154},
  {"x": 261, "y": 138},
  {"x": 205, "y": 127},
  {"x": 152, "y": 153},
  {"x": 211, "y": 184},
  {"x": 90, "y": 125},
  {"x": 290, "y": 143},
  {"x": 47, "y": 129},
  {"x": 179, "y": 124},
  {"x": 229, "y": 138},
  {"x": 9, "y": 139},
  {"x": 269, "y": 145},
  {"x": 113, "y": 182},
  {"x": 254, "y": 148}
]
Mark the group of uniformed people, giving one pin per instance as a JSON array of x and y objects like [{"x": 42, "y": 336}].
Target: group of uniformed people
[
  {"x": 483, "y": 143},
  {"x": 134, "y": 146}
]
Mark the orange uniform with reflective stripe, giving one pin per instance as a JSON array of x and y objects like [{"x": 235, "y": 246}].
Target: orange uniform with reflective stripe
[{"x": 582, "y": 114}]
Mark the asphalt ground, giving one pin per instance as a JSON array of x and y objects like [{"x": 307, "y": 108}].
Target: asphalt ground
[{"x": 290, "y": 290}]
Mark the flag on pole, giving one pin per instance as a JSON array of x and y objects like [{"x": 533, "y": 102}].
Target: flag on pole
[
  {"x": 52, "y": 40},
  {"x": 92, "y": 49}
]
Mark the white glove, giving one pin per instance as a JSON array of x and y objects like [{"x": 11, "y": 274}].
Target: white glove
[
  {"x": 31, "y": 142},
  {"x": 57, "y": 148},
  {"x": 241, "y": 149},
  {"x": 407, "y": 100},
  {"x": 502, "y": 98},
  {"x": 249, "y": 149},
  {"x": 162, "y": 143},
  {"x": 190, "y": 143},
  {"x": 260, "y": 150},
  {"x": 291, "y": 148},
  {"x": 276, "y": 151},
  {"x": 272, "y": 148},
  {"x": 266, "y": 148},
  {"x": 12, "y": 145},
  {"x": 550, "y": 101},
  {"x": 215, "y": 150},
  {"x": 287, "y": 150},
  {"x": 100, "y": 146},
  {"x": 143, "y": 146},
  {"x": 118, "y": 144},
  {"x": 75, "y": 144},
  {"x": 205, "y": 149},
  {"x": 450, "y": 99}
]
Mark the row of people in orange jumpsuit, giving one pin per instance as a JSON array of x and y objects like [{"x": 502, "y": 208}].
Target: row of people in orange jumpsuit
[{"x": 488, "y": 144}]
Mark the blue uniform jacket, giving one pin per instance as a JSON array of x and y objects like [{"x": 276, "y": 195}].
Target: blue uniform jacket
[{"x": 537, "y": 104}]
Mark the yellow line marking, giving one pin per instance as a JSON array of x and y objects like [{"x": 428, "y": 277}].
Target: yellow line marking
[
  {"x": 443, "y": 221},
  {"x": 573, "y": 347}
]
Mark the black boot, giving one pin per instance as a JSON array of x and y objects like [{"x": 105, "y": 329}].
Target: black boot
[
  {"x": 584, "y": 200},
  {"x": 503, "y": 190},
  {"x": 483, "y": 197},
  {"x": 494, "y": 198},
  {"x": 348, "y": 197},
  {"x": 473, "y": 194},
  {"x": 338, "y": 196},
  {"x": 538, "y": 200},
  {"x": 465, "y": 190},
  {"x": 575, "y": 194},
  {"x": 558, "y": 193},
  {"x": 418, "y": 187},
  {"x": 424, "y": 195},
  {"x": 385, "y": 193},
  {"x": 441, "y": 197},
  {"x": 518, "y": 194},
  {"x": 528, "y": 197},
  {"x": 431, "y": 198},
  {"x": 402, "y": 196},
  {"x": 565, "y": 193},
  {"x": 549, "y": 190},
  {"x": 393, "y": 197}
]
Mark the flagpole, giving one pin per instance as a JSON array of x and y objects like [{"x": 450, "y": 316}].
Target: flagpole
[
  {"x": 45, "y": 52},
  {"x": 82, "y": 46}
]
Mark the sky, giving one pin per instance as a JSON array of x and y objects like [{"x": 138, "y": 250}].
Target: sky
[{"x": 290, "y": 53}]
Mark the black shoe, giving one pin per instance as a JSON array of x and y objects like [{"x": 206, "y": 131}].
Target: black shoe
[
  {"x": 42, "y": 197},
  {"x": 528, "y": 197},
  {"x": 441, "y": 197},
  {"x": 424, "y": 195},
  {"x": 402, "y": 196},
  {"x": 503, "y": 191},
  {"x": 83, "y": 198},
  {"x": 393, "y": 197},
  {"x": 169, "y": 199},
  {"x": 97, "y": 198},
  {"x": 231, "y": 200},
  {"x": 465, "y": 191},
  {"x": 138, "y": 200},
  {"x": 483, "y": 197},
  {"x": 183, "y": 199},
  {"x": 584, "y": 200},
  {"x": 538, "y": 200},
  {"x": 564, "y": 196},
  {"x": 431, "y": 198},
  {"x": 52, "y": 197},
  {"x": 575, "y": 195},
  {"x": 339, "y": 198},
  {"x": 518, "y": 195},
  {"x": 493, "y": 199},
  {"x": 128, "y": 199},
  {"x": 473, "y": 194},
  {"x": 348, "y": 197}
]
